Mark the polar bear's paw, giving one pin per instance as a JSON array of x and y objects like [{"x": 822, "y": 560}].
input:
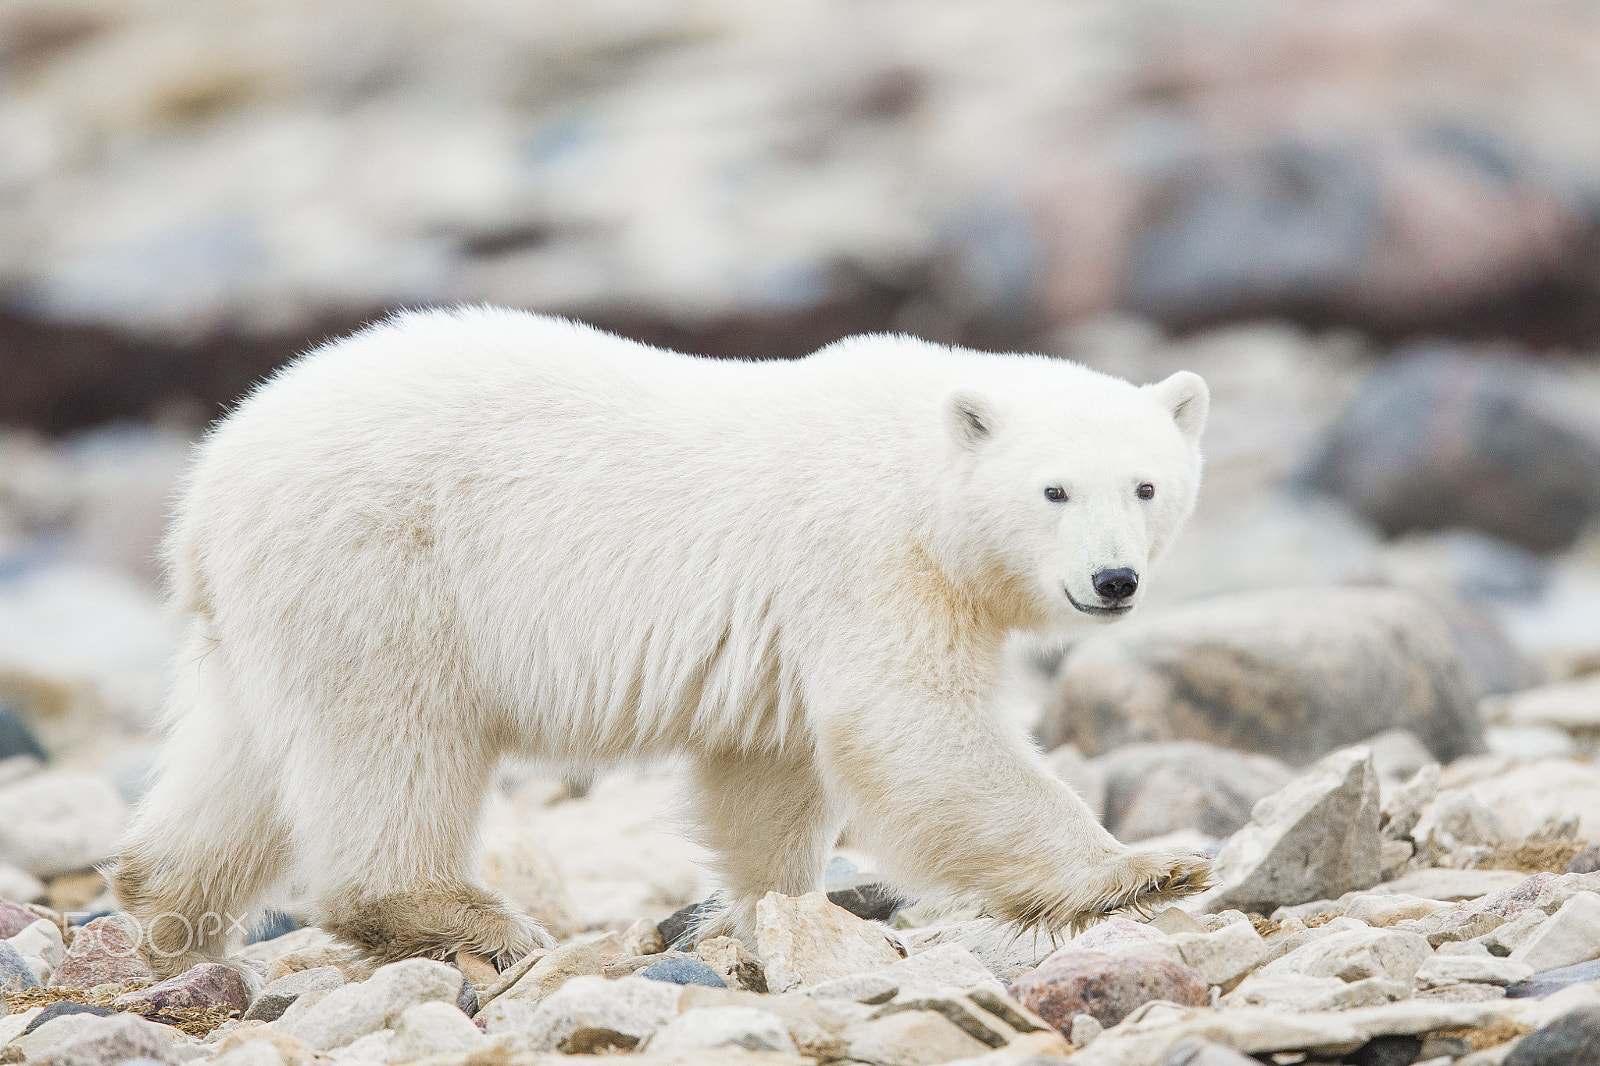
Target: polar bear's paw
[
  {"x": 436, "y": 922},
  {"x": 1140, "y": 880}
]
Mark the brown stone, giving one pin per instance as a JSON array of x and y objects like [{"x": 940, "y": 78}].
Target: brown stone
[
  {"x": 1108, "y": 987},
  {"x": 206, "y": 986}
]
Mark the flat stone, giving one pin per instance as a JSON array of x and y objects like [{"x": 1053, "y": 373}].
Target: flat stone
[
  {"x": 1316, "y": 838},
  {"x": 1109, "y": 987},
  {"x": 1382, "y": 910},
  {"x": 207, "y": 986},
  {"x": 1302, "y": 992},
  {"x": 683, "y": 972},
  {"x": 1567, "y": 937},
  {"x": 576, "y": 959},
  {"x": 103, "y": 952},
  {"x": 588, "y": 1015},
  {"x": 805, "y": 940},
  {"x": 1442, "y": 970},
  {"x": 279, "y": 995},
  {"x": 709, "y": 1027},
  {"x": 1571, "y": 1040},
  {"x": 816, "y": 1026},
  {"x": 1356, "y": 955},
  {"x": 912, "y": 1038},
  {"x": 942, "y": 967},
  {"x": 1551, "y": 981},
  {"x": 1196, "y": 1052},
  {"x": 108, "y": 1041},
  {"x": 338, "y": 1017},
  {"x": 1450, "y": 885}
]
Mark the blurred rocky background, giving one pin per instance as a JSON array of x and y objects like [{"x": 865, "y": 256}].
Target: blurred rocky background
[{"x": 1374, "y": 227}]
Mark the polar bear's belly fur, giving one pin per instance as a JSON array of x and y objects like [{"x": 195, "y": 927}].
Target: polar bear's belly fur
[{"x": 457, "y": 536}]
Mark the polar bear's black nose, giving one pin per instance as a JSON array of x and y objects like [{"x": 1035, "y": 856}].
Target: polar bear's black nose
[{"x": 1116, "y": 584}]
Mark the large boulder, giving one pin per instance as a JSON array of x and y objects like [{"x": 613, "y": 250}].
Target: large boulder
[
  {"x": 1488, "y": 440},
  {"x": 1293, "y": 673}
]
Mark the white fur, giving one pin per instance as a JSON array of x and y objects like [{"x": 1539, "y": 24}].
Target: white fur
[{"x": 457, "y": 535}]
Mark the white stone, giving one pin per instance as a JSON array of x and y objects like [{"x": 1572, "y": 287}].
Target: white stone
[
  {"x": 1453, "y": 885},
  {"x": 709, "y": 1027},
  {"x": 588, "y": 1014},
  {"x": 1303, "y": 992},
  {"x": 433, "y": 1028},
  {"x": 943, "y": 967},
  {"x": 57, "y": 1030},
  {"x": 278, "y": 996},
  {"x": 41, "y": 947},
  {"x": 1571, "y": 935},
  {"x": 1224, "y": 957},
  {"x": 12, "y": 1025},
  {"x": 18, "y": 885},
  {"x": 1356, "y": 955},
  {"x": 1381, "y": 910},
  {"x": 1457, "y": 817},
  {"x": 1085, "y": 1027},
  {"x": 340, "y": 1016},
  {"x": 1006, "y": 950},
  {"x": 805, "y": 940},
  {"x": 59, "y": 821},
  {"x": 911, "y": 1038},
  {"x": 1443, "y": 970}
]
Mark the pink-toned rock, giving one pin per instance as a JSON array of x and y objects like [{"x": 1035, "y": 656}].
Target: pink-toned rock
[
  {"x": 104, "y": 951},
  {"x": 1109, "y": 936},
  {"x": 210, "y": 984},
  {"x": 1108, "y": 987},
  {"x": 14, "y": 919}
]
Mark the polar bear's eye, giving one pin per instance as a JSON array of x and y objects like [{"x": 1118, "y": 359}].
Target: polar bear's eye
[
  {"x": 1056, "y": 494},
  {"x": 1146, "y": 491}
]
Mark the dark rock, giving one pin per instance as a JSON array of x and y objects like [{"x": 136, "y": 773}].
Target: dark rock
[
  {"x": 683, "y": 972},
  {"x": 66, "y": 1006},
  {"x": 103, "y": 952},
  {"x": 1293, "y": 673},
  {"x": 1387, "y": 1051},
  {"x": 1109, "y": 987},
  {"x": 16, "y": 738},
  {"x": 1445, "y": 437},
  {"x": 208, "y": 985},
  {"x": 864, "y": 896},
  {"x": 15, "y": 974},
  {"x": 1571, "y": 1040},
  {"x": 1155, "y": 789},
  {"x": 14, "y": 919},
  {"x": 272, "y": 925},
  {"x": 1541, "y": 985},
  {"x": 678, "y": 928},
  {"x": 1586, "y": 861},
  {"x": 1192, "y": 1051},
  {"x": 278, "y": 995},
  {"x": 106, "y": 1043}
]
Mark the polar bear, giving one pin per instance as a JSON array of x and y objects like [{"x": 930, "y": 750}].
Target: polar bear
[{"x": 463, "y": 534}]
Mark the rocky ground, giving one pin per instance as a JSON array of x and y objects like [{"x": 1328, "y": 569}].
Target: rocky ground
[{"x": 1385, "y": 734}]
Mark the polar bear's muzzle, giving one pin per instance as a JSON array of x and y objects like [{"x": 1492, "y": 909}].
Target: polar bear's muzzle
[{"x": 1115, "y": 587}]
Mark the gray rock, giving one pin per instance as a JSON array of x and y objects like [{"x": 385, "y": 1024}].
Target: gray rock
[
  {"x": 351, "y": 1011},
  {"x": 1156, "y": 789},
  {"x": 709, "y": 1027},
  {"x": 911, "y": 1038},
  {"x": 1403, "y": 805},
  {"x": 1316, "y": 838},
  {"x": 1293, "y": 673},
  {"x": 683, "y": 972},
  {"x": 107, "y": 1041},
  {"x": 15, "y": 973},
  {"x": 1586, "y": 861},
  {"x": 1443, "y": 437},
  {"x": 1304, "y": 992},
  {"x": 1391, "y": 954},
  {"x": 864, "y": 895},
  {"x": 279, "y": 995},
  {"x": 1551, "y": 981},
  {"x": 1443, "y": 970},
  {"x": 1571, "y": 1040},
  {"x": 1224, "y": 957}
]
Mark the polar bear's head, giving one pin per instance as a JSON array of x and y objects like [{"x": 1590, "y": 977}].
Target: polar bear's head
[{"x": 1073, "y": 482}]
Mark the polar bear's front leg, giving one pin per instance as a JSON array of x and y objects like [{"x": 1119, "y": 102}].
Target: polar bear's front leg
[{"x": 949, "y": 797}]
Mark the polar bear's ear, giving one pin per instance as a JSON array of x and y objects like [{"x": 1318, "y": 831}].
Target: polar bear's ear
[
  {"x": 1186, "y": 396},
  {"x": 970, "y": 416}
]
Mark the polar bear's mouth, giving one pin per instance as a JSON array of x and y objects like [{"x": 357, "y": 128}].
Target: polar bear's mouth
[{"x": 1086, "y": 609}]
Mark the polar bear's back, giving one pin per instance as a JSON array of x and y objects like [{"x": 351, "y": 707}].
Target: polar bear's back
[{"x": 544, "y": 518}]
